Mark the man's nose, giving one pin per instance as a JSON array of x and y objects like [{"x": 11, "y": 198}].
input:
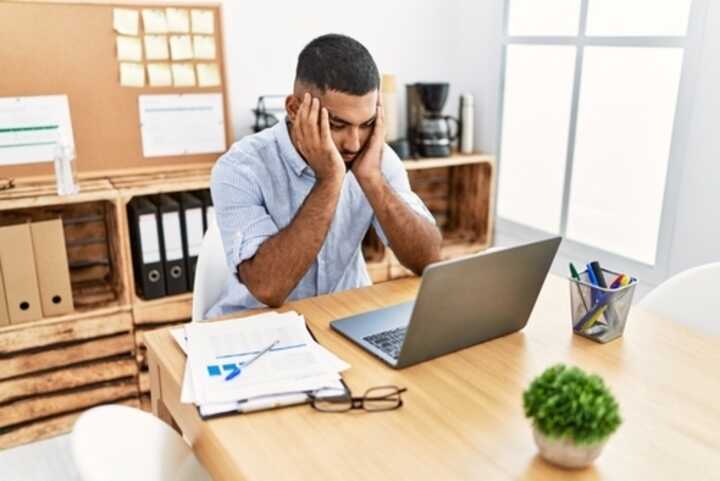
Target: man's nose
[{"x": 351, "y": 141}]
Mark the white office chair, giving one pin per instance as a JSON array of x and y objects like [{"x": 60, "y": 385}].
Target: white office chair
[
  {"x": 120, "y": 443},
  {"x": 211, "y": 272},
  {"x": 690, "y": 297}
]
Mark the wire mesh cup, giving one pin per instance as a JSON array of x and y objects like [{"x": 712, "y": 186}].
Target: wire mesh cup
[{"x": 600, "y": 313}]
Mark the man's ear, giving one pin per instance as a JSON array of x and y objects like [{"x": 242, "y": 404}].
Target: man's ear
[{"x": 292, "y": 105}]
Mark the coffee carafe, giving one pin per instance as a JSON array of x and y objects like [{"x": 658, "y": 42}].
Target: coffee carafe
[{"x": 431, "y": 132}]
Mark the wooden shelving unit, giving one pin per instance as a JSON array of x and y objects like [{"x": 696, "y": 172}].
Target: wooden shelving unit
[
  {"x": 52, "y": 369},
  {"x": 459, "y": 192}
]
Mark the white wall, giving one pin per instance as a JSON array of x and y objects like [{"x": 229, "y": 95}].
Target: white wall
[
  {"x": 696, "y": 237},
  {"x": 417, "y": 40},
  {"x": 478, "y": 54}
]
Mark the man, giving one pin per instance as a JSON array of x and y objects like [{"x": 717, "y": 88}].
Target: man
[{"x": 294, "y": 202}]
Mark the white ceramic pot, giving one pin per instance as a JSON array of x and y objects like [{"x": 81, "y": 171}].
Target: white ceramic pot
[{"x": 566, "y": 453}]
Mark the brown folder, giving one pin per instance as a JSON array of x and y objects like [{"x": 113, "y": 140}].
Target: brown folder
[
  {"x": 4, "y": 316},
  {"x": 18, "y": 271},
  {"x": 51, "y": 264}
]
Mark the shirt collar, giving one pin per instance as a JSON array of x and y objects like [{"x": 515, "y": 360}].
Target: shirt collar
[{"x": 288, "y": 150}]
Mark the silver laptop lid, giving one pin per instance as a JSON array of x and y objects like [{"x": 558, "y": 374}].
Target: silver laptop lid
[{"x": 465, "y": 301}]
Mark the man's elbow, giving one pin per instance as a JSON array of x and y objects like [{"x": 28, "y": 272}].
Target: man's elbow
[
  {"x": 269, "y": 296},
  {"x": 434, "y": 256}
]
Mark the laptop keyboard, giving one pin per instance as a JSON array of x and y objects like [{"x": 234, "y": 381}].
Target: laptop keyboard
[{"x": 388, "y": 342}]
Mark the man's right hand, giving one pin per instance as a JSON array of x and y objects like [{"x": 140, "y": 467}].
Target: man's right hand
[{"x": 311, "y": 133}]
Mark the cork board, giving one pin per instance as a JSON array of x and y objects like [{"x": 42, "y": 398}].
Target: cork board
[{"x": 64, "y": 48}]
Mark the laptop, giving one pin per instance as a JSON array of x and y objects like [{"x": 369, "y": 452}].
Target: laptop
[{"x": 460, "y": 303}]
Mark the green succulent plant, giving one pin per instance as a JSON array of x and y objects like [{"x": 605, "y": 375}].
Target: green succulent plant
[{"x": 565, "y": 402}]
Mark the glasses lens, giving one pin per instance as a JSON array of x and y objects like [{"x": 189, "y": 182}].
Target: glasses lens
[
  {"x": 382, "y": 398},
  {"x": 332, "y": 400}
]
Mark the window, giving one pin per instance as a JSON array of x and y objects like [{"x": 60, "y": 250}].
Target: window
[{"x": 590, "y": 94}]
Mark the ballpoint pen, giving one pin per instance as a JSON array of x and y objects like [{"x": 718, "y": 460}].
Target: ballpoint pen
[
  {"x": 576, "y": 276},
  {"x": 237, "y": 371}
]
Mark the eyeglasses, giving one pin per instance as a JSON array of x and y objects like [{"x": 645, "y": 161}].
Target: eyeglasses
[{"x": 376, "y": 399}]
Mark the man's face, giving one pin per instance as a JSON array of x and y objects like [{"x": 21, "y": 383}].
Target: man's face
[{"x": 352, "y": 118}]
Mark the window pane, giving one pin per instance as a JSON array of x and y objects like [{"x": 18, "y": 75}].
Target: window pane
[
  {"x": 536, "y": 118},
  {"x": 544, "y": 17},
  {"x": 625, "y": 122},
  {"x": 638, "y": 17}
]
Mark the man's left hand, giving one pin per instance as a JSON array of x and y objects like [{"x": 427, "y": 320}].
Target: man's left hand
[{"x": 367, "y": 167}]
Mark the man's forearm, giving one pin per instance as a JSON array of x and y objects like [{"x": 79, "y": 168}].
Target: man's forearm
[
  {"x": 415, "y": 241},
  {"x": 282, "y": 260}
]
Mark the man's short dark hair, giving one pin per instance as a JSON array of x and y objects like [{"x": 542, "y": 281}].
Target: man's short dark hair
[{"x": 338, "y": 62}]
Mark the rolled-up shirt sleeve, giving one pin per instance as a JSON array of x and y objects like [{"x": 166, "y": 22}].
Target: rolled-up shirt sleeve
[
  {"x": 395, "y": 174},
  {"x": 240, "y": 211}
]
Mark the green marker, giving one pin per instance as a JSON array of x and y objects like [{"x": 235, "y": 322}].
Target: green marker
[
  {"x": 574, "y": 272},
  {"x": 576, "y": 276}
]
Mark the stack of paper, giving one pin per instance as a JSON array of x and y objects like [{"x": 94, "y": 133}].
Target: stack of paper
[{"x": 294, "y": 367}]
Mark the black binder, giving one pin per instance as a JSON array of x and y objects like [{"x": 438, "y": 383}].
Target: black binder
[
  {"x": 171, "y": 246},
  {"x": 208, "y": 209},
  {"x": 192, "y": 222},
  {"x": 146, "y": 251}
]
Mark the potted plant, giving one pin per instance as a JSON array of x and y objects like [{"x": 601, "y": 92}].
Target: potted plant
[{"x": 573, "y": 414}]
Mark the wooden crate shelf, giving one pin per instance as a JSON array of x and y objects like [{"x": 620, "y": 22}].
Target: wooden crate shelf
[
  {"x": 130, "y": 186},
  {"x": 145, "y": 403},
  {"x": 458, "y": 191},
  {"x": 163, "y": 310},
  {"x": 139, "y": 333},
  {"x": 39, "y": 407},
  {"x": 63, "y": 329},
  {"x": 95, "y": 258},
  {"x": 74, "y": 376},
  {"x": 453, "y": 161},
  {"x": 43, "y": 193},
  {"x": 49, "y": 427}
]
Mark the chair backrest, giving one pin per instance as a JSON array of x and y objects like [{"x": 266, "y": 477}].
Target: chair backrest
[
  {"x": 690, "y": 297},
  {"x": 211, "y": 272},
  {"x": 120, "y": 443}
]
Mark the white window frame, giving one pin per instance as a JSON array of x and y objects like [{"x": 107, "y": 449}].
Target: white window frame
[{"x": 573, "y": 250}]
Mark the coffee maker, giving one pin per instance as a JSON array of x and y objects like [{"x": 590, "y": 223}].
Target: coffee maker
[{"x": 429, "y": 131}]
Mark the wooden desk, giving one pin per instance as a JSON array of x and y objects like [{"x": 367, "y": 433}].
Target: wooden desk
[{"x": 463, "y": 416}]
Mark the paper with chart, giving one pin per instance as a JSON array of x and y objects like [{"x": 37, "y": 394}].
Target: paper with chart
[
  {"x": 30, "y": 127},
  {"x": 182, "y": 124},
  {"x": 296, "y": 364}
]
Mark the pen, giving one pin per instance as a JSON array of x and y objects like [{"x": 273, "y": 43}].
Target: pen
[
  {"x": 576, "y": 276},
  {"x": 597, "y": 270},
  {"x": 618, "y": 282},
  {"x": 593, "y": 280},
  {"x": 574, "y": 272},
  {"x": 237, "y": 371},
  {"x": 591, "y": 317}
]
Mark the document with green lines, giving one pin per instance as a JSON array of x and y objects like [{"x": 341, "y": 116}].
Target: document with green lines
[{"x": 31, "y": 126}]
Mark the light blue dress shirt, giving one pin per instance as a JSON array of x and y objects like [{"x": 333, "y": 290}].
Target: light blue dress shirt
[{"x": 259, "y": 185}]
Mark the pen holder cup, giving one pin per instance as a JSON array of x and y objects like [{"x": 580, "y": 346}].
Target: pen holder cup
[{"x": 600, "y": 313}]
